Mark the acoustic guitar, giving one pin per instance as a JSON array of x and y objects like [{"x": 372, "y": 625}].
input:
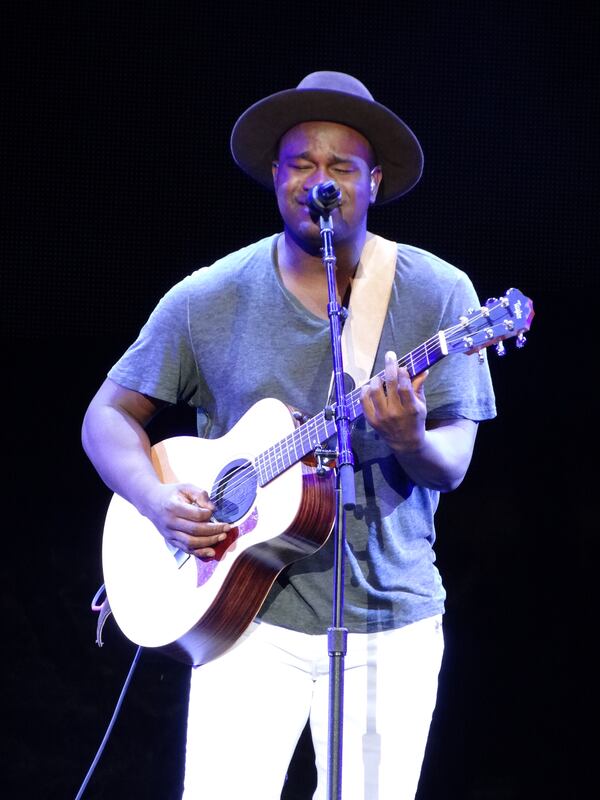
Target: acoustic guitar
[{"x": 266, "y": 482}]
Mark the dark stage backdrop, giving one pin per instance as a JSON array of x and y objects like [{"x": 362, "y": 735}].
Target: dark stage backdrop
[{"x": 118, "y": 182}]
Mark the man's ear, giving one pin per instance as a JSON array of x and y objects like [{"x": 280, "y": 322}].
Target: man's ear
[
  {"x": 376, "y": 176},
  {"x": 274, "y": 170}
]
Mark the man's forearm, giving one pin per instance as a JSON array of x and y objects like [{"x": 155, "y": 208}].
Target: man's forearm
[{"x": 442, "y": 461}]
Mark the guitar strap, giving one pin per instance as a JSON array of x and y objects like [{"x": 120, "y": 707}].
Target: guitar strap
[{"x": 369, "y": 299}]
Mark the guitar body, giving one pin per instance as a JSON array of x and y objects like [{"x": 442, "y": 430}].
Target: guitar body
[{"x": 194, "y": 609}]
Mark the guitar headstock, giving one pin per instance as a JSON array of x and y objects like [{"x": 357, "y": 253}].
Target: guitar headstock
[{"x": 499, "y": 319}]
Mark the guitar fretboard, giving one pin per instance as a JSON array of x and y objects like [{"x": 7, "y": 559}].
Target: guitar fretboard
[{"x": 317, "y": 430}]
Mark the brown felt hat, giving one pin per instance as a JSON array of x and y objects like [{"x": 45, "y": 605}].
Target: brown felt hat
[{"x": 331, "y": 97}]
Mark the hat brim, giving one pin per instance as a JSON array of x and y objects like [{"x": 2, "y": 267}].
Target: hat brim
[{"x": 257, "y": 132}]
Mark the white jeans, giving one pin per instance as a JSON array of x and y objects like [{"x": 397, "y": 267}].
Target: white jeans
[{"x": 248, "y": 708}]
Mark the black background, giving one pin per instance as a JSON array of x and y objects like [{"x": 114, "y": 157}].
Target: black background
[{"x": 118, "y": 181}]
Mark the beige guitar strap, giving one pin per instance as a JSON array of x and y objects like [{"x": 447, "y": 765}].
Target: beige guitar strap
[{"x": 369, "y": 298}]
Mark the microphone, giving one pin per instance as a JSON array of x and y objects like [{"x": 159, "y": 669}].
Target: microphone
[{"x": 323, "y": 198}]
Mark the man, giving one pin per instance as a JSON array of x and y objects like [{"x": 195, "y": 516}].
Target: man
[{"x": 255, "y": 325}]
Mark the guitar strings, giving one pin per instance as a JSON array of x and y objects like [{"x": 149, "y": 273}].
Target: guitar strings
[{"x": 275, "y": 453}]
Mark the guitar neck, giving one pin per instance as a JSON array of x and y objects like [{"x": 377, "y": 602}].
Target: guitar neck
[{"x": 317, "y": 430}]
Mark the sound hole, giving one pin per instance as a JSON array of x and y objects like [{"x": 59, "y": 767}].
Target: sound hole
[{"x": 234, "y": 491}]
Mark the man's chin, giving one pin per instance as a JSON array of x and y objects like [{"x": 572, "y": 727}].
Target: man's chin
[{"x": 308, "y": 235}]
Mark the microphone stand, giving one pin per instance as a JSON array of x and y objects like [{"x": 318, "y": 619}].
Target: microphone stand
[{"x": 345, "y": 501}]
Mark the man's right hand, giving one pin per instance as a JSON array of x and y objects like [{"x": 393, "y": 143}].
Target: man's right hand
[{"x": 182, "y": 513}]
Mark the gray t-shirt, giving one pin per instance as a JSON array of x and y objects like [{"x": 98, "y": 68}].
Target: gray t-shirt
[{"x": 231, "y": 334}]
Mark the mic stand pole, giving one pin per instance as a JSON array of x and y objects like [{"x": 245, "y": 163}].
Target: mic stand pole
[{"x": 345, "y": 500}]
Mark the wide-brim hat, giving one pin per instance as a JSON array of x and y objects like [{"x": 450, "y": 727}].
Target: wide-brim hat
[{"x": 330, "y": 97}]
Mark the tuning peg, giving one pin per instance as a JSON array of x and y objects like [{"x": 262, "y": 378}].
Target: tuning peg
[
  {"x": 500, "y": 349},
  {"x": 521, "y": 340}
]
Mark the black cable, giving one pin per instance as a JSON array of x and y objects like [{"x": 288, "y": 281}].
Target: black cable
[{"x": 111, "y": 724}]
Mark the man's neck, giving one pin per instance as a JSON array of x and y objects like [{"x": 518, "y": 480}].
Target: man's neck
[
  {"x": 303, "y": 272},
  {"x": 305, "y": 260}
]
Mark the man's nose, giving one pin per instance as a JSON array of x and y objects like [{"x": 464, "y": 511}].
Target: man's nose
[{"x": 316, "y": 177}]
